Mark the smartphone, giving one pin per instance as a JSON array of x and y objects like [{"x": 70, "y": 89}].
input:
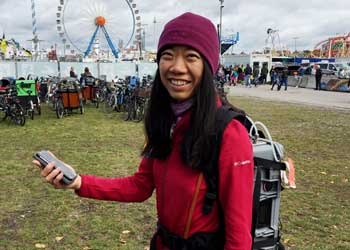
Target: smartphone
[{"x": 45, "y": 157}]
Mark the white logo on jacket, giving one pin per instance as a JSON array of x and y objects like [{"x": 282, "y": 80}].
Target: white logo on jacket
[{"x": 241, "y": 163}]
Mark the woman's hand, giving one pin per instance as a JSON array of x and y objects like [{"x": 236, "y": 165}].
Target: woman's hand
[{"x": 54, "y": 176}]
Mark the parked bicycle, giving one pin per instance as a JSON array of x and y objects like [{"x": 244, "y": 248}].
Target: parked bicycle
[
  {"x": 115, "y": 96},
  {"x": 136, "y": 103},
  {"x": 11, "y": 109}
]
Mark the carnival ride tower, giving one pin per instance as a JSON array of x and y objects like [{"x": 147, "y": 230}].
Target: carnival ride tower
[
  {"x": 270, "y": 41},
  {"x": 100, "y": 22}
]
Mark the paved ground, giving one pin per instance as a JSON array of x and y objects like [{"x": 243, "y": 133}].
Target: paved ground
[{"x": 326, "y": 99}]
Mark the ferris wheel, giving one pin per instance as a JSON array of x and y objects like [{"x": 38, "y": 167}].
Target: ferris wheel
[{"x": 96, "y": 27}]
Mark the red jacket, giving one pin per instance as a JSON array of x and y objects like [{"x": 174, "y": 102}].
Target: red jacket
[{"x": 175, "y": 187}]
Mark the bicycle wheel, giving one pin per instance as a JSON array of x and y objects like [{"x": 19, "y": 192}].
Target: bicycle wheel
[
  {"x": 128, "y": 109},
  {"x": 31, "y": 109},
  {"x": 96, "y": 98},
  {"x": 81, "y": 107},
  {"x": 59, "y": 108},
  {"x": 17, "y": 114},
  {"x": 101, "y": 97},
  {"x": 109, "y": 104},
  {"x": 38, "y": 106},
  {"x": 38, "y": 109},
  {"x": 119, "y": 101},
  {"x": 3, "y": 112},
  {"x": 140, "y": 110},
  {"x": 134, "y": 108}
]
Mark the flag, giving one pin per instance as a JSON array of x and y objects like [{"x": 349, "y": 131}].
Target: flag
[
  {"x": 3, "y": 45},
  {"x": 27, "y": 53}
]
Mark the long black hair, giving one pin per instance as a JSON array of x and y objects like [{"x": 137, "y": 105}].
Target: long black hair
[{"x": 197, "y": 142}]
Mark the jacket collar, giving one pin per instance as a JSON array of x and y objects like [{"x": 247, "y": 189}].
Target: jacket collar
[{"x": 183, "y": 122}]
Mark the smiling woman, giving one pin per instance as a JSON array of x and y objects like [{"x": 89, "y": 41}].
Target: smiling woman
[{"x": 180, "y": 127}]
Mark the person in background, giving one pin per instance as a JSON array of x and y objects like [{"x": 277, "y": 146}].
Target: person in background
[
  {"x": 318, "y": 77},
  {"x": 84, "y": 76},
  {"x": 256, "y": 75},
  {"x": 263, "y": 74},
  {"x": 220, "y": 74},
  {"x": 134, "y": 82},
  {"x": 274, "y": 77},
  {"x": 300, "y": 76},
  {"x": 86, "y": 72},
  {"x": 240, "y": 72},
  {"x": 247, "y": 75},
  {"x": 72, "y": 73},
  {"x": 284, "y": 79},
  {"x": 179, "y": 126},
  {"x": 234, "y": 76}
]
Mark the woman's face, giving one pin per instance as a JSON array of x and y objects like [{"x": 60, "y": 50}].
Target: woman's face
[{"x": 181, "y": 69}]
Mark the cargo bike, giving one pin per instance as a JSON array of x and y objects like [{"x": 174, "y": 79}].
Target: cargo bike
[
  {"x": 68, "y": 97},
  {"x": 27, "y": 94},
  {"x": 90, "y": 90}
]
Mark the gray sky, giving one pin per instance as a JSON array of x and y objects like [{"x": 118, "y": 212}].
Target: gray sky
[{"x": 310, "y": 21}]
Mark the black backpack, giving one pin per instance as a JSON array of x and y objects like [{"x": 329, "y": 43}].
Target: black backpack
[{"x": 262, "y": 168}]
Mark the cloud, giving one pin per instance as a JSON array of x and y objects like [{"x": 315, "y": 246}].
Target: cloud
[{"x": 300, "y": 23}]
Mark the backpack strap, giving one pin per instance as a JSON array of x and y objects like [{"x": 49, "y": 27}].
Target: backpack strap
[{"x": 224, "y": 115}]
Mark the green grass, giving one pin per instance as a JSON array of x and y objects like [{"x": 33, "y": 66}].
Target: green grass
[{"x": 314, "y": 216}]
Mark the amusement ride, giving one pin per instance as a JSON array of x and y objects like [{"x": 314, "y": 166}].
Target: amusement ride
[
  {"x": 95, "y": 28},
  {"x": 337, "y": 46},
  {"x": 270, "y": 42}
]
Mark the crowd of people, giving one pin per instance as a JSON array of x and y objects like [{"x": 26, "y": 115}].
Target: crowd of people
[
  {"x": 248, "y": 76},
  {"x": 242, "y": 74}
]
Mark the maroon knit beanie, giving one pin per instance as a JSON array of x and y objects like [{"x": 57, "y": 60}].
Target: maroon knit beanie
[{"x": 195, "y": 31}]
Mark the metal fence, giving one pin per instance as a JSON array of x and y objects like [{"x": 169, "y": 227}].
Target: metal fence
[{"x": 108, "y": 70}]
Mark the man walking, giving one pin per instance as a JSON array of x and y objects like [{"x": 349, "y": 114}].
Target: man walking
[
  {"x": 318, "y": 76},
  {"x": 300, "y": 76},
  {"x": 247, "y": 74},
  {"x": 284, "y": 79},
  {"x": 263, "y": 74}
]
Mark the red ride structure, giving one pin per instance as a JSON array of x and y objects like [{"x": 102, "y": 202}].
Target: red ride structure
[{"x": 337, "y": 46}]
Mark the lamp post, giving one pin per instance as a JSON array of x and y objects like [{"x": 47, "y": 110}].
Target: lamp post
[
  {"x": 295, "y": 44},
  {"x": 220, "y": 26},
  {"x": 154, "y": 33},
  {"x": 143, "y": 36},
  {"x": 295, "y": 48}
]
